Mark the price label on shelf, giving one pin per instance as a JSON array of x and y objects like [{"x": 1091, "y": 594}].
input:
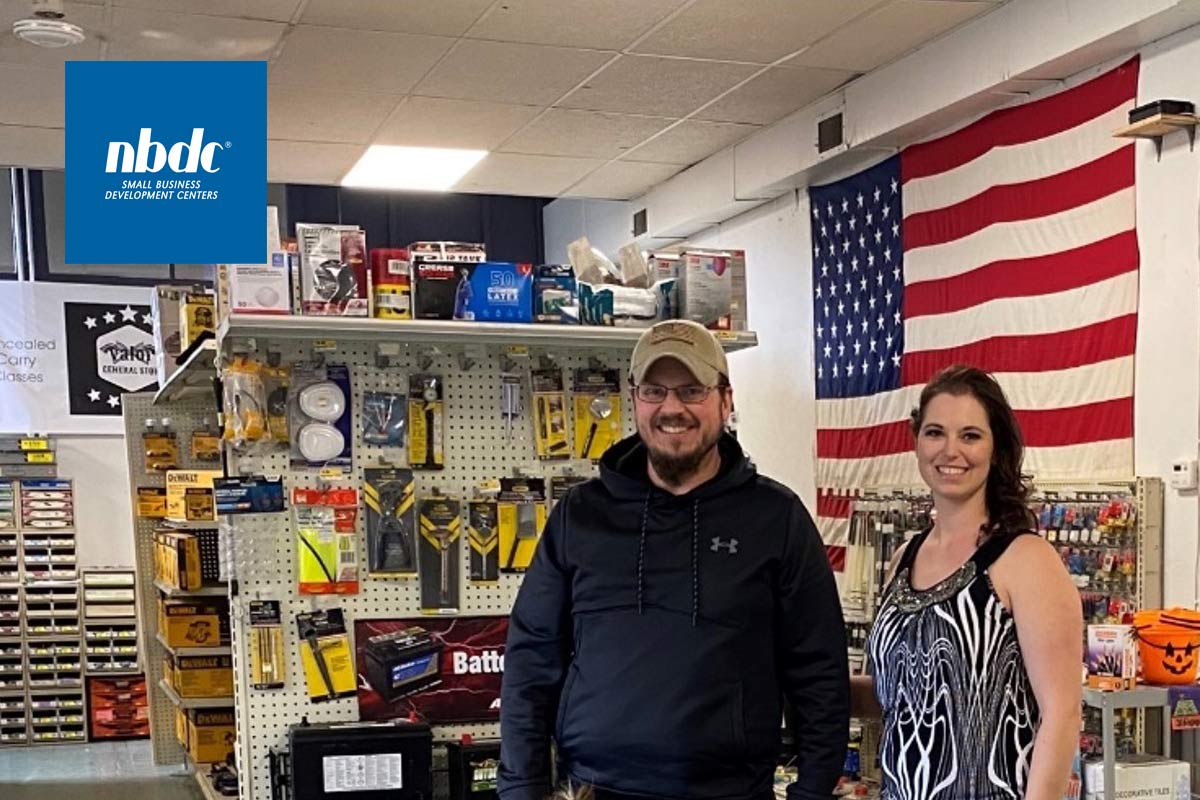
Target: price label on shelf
[
  {"x": 324, "y": 345},
  {"x": 34, "y": 444},
  {"x": 39, "y": 458}
]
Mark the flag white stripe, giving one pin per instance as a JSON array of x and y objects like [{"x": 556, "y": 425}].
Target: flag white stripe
[
  {"x": 1108, "y": 460},
  {"x": 833, "y": 530},
  {"x": 1025, "y": 316},
  {"x": 1020, "y": 239},
  {"x": 1019, "y": 163},
  {"x": 1093, "y": 383}
]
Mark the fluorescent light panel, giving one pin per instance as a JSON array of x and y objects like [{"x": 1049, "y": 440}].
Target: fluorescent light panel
[{"x": 433, "y": 169}]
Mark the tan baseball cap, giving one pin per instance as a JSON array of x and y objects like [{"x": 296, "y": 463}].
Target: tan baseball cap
[{"x": 688, "y": 342}]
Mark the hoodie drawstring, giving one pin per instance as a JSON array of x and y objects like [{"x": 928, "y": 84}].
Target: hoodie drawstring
[
  {"x": 642, "y": 551},
  {"x": 641, "y": 564}
]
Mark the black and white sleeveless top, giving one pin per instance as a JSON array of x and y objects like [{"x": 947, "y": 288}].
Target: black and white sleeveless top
[{"x": 959, "y": 713}]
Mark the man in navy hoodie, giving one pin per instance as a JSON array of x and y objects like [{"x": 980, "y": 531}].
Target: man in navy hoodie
[{"x": 672, "y": 605}]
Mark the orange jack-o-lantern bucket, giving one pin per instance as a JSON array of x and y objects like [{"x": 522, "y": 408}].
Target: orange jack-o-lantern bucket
[{"x": 1169, "y": 645}]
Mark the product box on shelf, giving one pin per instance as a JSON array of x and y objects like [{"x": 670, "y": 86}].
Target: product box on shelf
[
  {"x": 199, "y": 482},
  {"x": 164, "y": 307},
  {"x": 438, "y": 272},
  {"x": 255, "y": 288},
  {"x": 494, "y": 291},
  {"x": 554, "y": 294},
  {"x": 177, "y": 559},
  {"x": 705, "y": 288},
  {"x": 1111, "y": 657},
  {"x": 194, "y": 623},
  {"x": 210, "y": 735},
  {"x": 391, "y": 275},
  {"x": 334, "y": 279},
  {"x": 197, "y": 315},
  {"x": 1140, "y": 775},
  {"x": 199, "y": 676}
]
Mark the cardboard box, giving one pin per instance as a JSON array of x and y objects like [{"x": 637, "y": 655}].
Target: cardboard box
[
  {"x": 554, "y": 296},
  {"x": 177, "y": 559},
  {"x": 194, "y": 623},
  {"x": 181, "y": 726},
  {"x": 178, "y": 483},
  {"x": 197, "y": 314},
  {"x": 494, "y": 291},
  {"x": 1111, "y": 657},
  {"x": 255, "y": 288},
  {"x": 437, "y": 270},
  {"x": 1139, "y": 776},
  {"x": 391, "y": 277},
  {"x": 705, "y": 289},
  {"x": 200, "y": 676},
  {"x": 211, "y": 735},
  {"x": 334, "y": 279}
]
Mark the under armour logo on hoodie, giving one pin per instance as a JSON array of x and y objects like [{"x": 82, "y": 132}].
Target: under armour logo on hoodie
[{"x": 730, "y": 546}]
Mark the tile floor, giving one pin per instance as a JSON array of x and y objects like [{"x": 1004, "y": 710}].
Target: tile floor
[{"x": 102, "y": 771}]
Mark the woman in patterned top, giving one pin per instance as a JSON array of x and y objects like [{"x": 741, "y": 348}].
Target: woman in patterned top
[{"x": 976, "y": 650}]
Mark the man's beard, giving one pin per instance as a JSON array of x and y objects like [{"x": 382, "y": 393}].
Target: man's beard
[{"x": 676, "y": 468}]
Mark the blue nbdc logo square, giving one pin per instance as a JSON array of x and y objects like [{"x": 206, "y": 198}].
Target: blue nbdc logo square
[{"x": 166, "y": 162}]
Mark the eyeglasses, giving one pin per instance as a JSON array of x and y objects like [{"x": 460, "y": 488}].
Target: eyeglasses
[{"x": 692, "y": 394}]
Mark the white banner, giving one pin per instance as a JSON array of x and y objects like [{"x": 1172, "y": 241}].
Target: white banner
[{"x": 68, "y": 352}]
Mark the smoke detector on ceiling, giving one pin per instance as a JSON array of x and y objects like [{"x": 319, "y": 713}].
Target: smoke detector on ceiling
[{"x": 47, "y": 28}]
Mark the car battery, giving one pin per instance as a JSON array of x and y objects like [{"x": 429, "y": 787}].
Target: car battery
[
  {"x": 473, "y": 766},
  {"x": 403, "y": 662},
  {"x": 361, "y": 761}
]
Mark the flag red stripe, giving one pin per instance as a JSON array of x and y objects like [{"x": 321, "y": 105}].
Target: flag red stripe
[
  {"x": 1093, "y": 422},
  {"x": 1018, "y": 201},
  {"x": 1031, "y": 353},
  {"x": 832, "y": 504},
  {"x": 837, "y": 557},
  {"x": 1029, "y": 277},
  {"x": 1024, "y": 123}
]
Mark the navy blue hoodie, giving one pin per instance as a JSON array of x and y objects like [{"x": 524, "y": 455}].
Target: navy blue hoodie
[{"x": 655, "y": 635}]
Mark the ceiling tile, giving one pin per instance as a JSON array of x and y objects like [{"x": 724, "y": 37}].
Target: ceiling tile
[
  {"x": 32, "y": 97},
  {"x": 438, "y": 122},
  {"x": 667, "y": 87},
  {"x": 310, "y": 162},
  {"x": 760, "y": 31},
  {"x": 510, "y": 73},
  {"x": 610, "y": 24},
  {"x": 15, "y": 51},
  {"x": 537, "y": 176},
  {"x": 277, "y": 10},
  {"x": 367, "y": 61},
  {"x": 587, "y": 134},
  {"x": 622, "y": 180},
  {"x": 773, "y": 95},
  {"x": 37, "y": 148},
  {"x": 139, "y": 34},
  {"x": 437, "y": 17},
  {"x": 322, "y": 115},
  {"x": 691, "y": 141},
  {"x": 887, "y": 34}
]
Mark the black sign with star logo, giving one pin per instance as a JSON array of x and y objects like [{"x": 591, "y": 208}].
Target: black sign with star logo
[{"x": 110, "y": 351}]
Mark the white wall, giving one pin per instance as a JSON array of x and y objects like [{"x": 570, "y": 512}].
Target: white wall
[{"x": 103, "y": 515}]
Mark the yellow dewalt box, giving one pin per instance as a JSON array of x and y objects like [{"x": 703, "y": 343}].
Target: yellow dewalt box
[
  {"x": 178, "y": 483},
  {"x": 151, "y": 502},
  {"x": 211, "y": 735},
  {"x": 181, "y": 727},
  {"x": 194, "y": 623},
  {"x": 203, "y": 676},
  {"x": 197, "y": 314},
  {"x": 177, "y": 559}
]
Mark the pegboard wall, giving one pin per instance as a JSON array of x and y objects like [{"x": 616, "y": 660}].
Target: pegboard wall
[
  {"x": 263, "y": 547},
  {"x": 185, "y": 417}
]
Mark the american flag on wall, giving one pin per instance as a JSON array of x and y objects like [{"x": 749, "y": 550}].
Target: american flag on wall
[{"x": 1009, "y": 244}]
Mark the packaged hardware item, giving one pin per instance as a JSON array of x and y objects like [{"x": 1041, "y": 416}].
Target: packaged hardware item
[
  {"x": 244, "y": 399},
  {"x": 197, "y": 315},
  {"x": 474, "y": 766},
  {"x": 319, "y": 416},
  {"x": 333, "y": 270},
  {"x": 403, "y": 662},
  {"x": 196, "y": 622},
  {"x": 392, "y": 277},
  {"x": 199, "y": 676},
  {"x": 326, "y": 542},
  {"x": 391, "y": 512},
  {"x": 426, "y": 422},
  {"x": 554, "y": 294},
  {"x": 275, "y": 385},
  {"x": 521, "y": 515},
  {"x": 561, "y": 484},
  {"x": 255, "y": 288},
  {"x": 164, "y": 307},
  {"x": 483, "y": 536},
  {"x": 597, "y": 395},
  {"x": 437, "y": 273},
  {"x": 160, "y": 447},
  {"x": 626, "y": 306},
  {"x": 549, "y": 414},
  {"x": 326, "y": 655},
  {"x": 194, "y": 483},
  {"x": 267, "y": 664},
  {"x": 177, "y": 559},
  {"x": 494, "y": 291},
  {"x": 1111, "y": 657},
  {"x": 151, "y": 503},
  {"x": 248, "y": 494},
  {"x": 441, "y": 525},
  {"x": 206, "y": 442},
  {"x": 384, "y": 418},
  {"x": 705, "y": 288},
  {"x": 211, "y": 735}
]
